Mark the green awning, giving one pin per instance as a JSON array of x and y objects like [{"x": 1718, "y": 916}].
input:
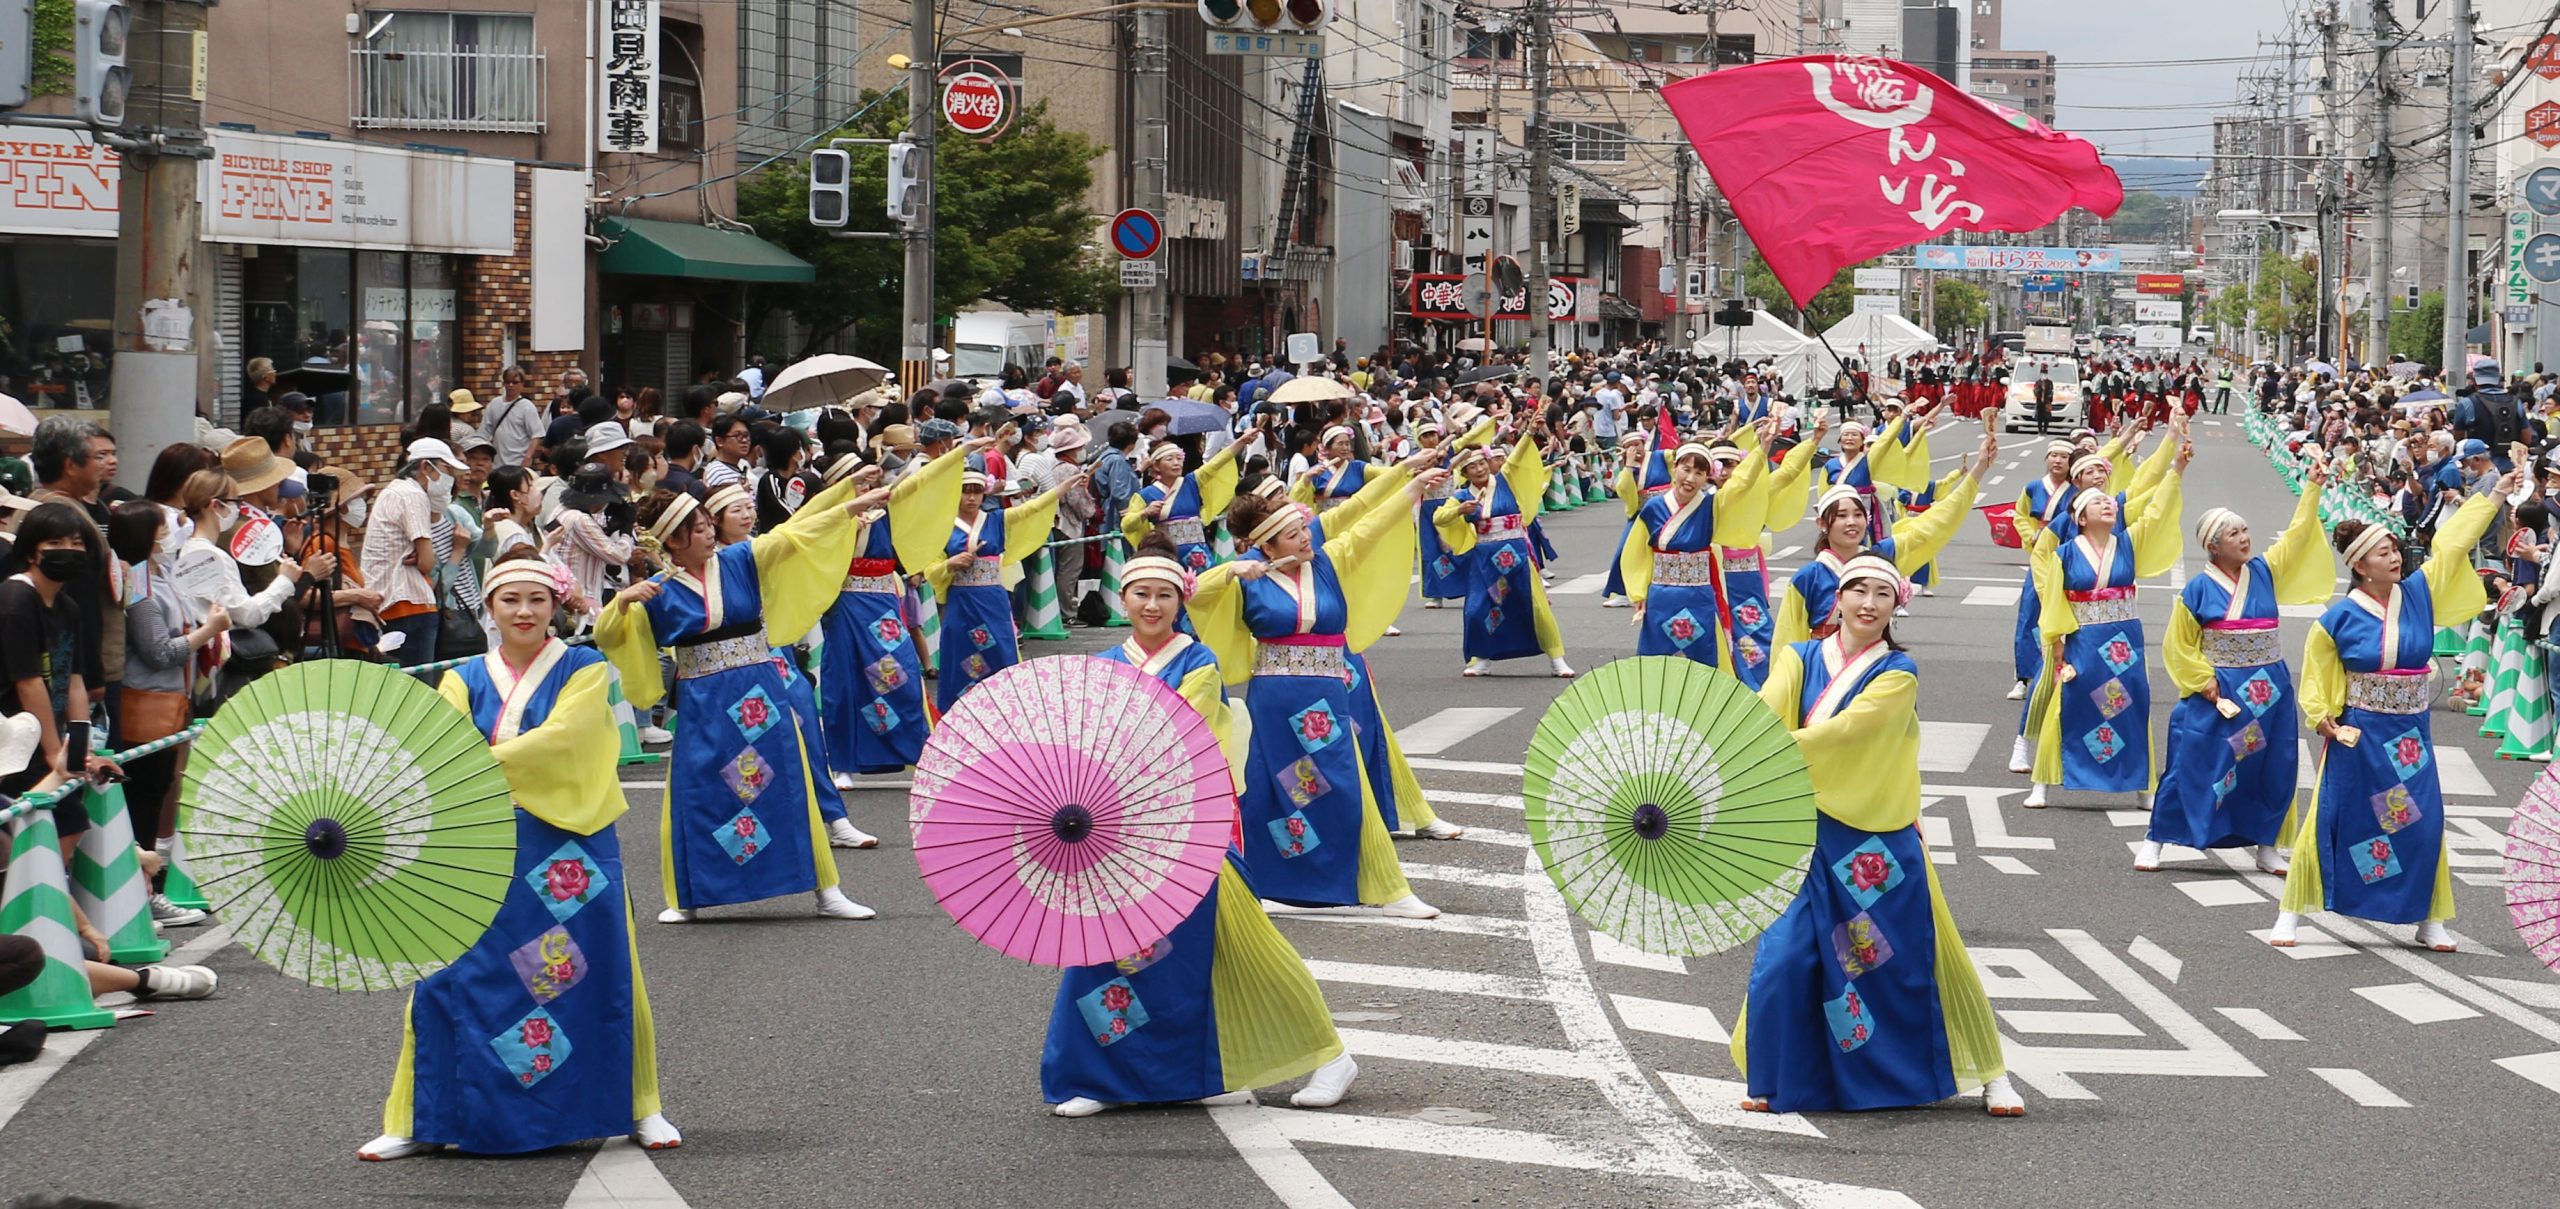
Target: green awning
[{"x": 645, "y": 247}]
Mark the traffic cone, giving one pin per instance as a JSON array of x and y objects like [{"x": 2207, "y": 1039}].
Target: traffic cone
[
  {"x": 2506, "y": 671},
  {"x": 2476, "y": 667},
  {"x": 180, "y": 889},
  {"x": 38, "y": 905},
  {"x": 108, "y": 883},
  {"x": 928, "y": 630},
  {"x": 1115, "y": 557},
  {"x": 1595, "y": 482},
  {"x": 1222, "y": 544},
  {"x": 2529, "y": 710},
  {"x": 1046, "y": 621},
  {"x": 626, "y": 722}
]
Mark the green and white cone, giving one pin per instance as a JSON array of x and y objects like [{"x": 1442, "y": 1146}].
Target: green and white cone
[
  {"x": 108, "y": 883},
  {"x": 1115, "y": 558},
  {"x": 2507, "y": 668},
  {"x": 626, "y": 721},
  {"x": 928, "y": 629},
  {"x": 38, "y": 905},
  {"x": 2529, "y": 711},
  {"x": 2475, "y": 658},
  {"x": 1595, "y": 482},
  {"x": 1045, "y": 622},
  {"x": 1222, "y": 545}
]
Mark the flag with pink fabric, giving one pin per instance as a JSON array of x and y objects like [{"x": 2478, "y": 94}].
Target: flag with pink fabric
[{"x": 1830, "y": 160}]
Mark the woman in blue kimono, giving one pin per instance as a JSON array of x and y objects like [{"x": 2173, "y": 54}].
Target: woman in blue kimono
[
  {"x": 978, "y": 635},
  {"x": 2229, "y": 774},
  {"x": 740, "y": 819},
  {"x": 733, "y": 512},
  {"x": 1182, "y": 504},
  {"x": 1862, "y": 995},
  {"x": 2097, "y": 735},
  {"x": 1644, "y": 471},
  {"x": 2373, "y": 845},
  {"x": 1485, "y": 523},
  {"x": 540, "y": 1034},
  {"x": 1442, "y": 579},
  {"x": 2038, "y": 505},
  {"x": 1866, "y": 460},
  {"x": 871, "y": 674},
  {"x": 1224, "y": 1003},
  {"x": 1669, "y": 561},
  {"x": 1336, "y": 476},
  {"x": 1805, "y": 607},
  {"x": 2097, "y": 469},
  {"x": 1313, "y": 832}
]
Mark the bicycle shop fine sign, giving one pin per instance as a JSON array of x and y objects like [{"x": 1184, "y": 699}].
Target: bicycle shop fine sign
[{"x": 973, "y": 98}]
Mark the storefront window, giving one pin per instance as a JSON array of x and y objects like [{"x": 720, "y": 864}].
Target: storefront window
[
  {"x": 386, "y": 313},
  {"x": 432, "y": 315},
  {"x": 56, "y": 299},
  {"x": 393, "y": 312}
]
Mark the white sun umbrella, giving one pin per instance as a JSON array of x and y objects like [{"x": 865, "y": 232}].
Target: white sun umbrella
[
  {"x": 822, "y": 381},
  {"x": 1306, "y": 389},
  {"x": 15, "y": 418}
]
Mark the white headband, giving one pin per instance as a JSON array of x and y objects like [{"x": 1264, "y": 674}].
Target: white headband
[
  {"x": 2082, "y": 502},
  {"x": 2058, "y": 445},
  {"x": 1837, "y": 494},
  {"x": 2365, "y": 542},
  {"x": 726, "y": 498},
  {"x": 679, "y": 510},
  {"x": 1330, "y": 433},
  {"x": 2213, "y": 524},
  {"x": 1159, "y": 568},
  {"x": 1271, "y": 525},
  {"x": 533, "y": 571},
  {"x": 1157, "y": 454},
  {"x": 1692, "y": 449},
  {"x": 1870, "y": 566},
  {"x": 2086, "y": 460}
]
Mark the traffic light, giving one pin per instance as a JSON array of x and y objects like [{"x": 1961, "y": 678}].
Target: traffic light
[
  {"x": 906, "y": 181},
  {"x": 99, "y": 78},
  {"x": 830, "y": 188},
  {"x": 1266, "y": 16}
]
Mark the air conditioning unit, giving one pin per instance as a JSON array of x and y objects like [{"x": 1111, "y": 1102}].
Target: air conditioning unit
[{"x": 1404, "y": 257}]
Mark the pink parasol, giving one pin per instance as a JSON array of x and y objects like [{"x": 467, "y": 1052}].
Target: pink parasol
[
  {"x": 1070, "y": 811},
  {"x": 2533, "y": 867}
]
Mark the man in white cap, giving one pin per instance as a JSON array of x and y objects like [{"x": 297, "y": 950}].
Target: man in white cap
[{"x": 399, "y": 548}]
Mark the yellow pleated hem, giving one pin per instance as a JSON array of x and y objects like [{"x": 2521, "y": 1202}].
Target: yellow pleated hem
[
  {"x": 1273, "y": 1025},
  {"x": 2304, "y": 893},
  {"x": 1413, "y": 809},
  {"x": 1381, "y": 876}
]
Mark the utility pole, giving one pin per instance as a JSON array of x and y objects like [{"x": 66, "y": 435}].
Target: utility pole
[
  {"x": 1542, "y": 187},
  {"x": 924, "y": 63},
  {"x": 2457, "y": 252},
  {"x": 157, "y": 374},
  {"x": 2378, "y": 278},
  {"x": 1147, "y": 74},
  {"x": 1681, "y": 222},
  {"x": 2332, "y": 344}
]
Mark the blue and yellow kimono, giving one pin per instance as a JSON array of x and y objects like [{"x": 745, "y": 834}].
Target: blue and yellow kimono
[
  {"x": 978, "y": 636},
  {"x": 1891, "y": 457},
  {"x": 1506, "y": 615},
  {"x": 1444, "y": 574},
  {"x": 1313, "y": 831},
  {"x": 1633, "y": 490},
  {"x": 1330, "y": 485},
  {"x": 1197, "y": 498},
  {"x": 2229, "y": 781},
  {"x": 2052, "y": 525},
  {"x": 2094, "y": 731},
  {"x": 1221, "y": 1004},
  {"x": 539, "y": 1035},
  {"x": 2373, "y": 846},
  {"x": 1669, "y": 564},
  {"x": 1861, "y": 995},
  {"x": 2037, "y": 508},
  {"x": 1401, "y": 801},
  {"x": 871, "y": 680},
  {"x": 740, "y": 820},
  {"x": 1814, "y": 591}
]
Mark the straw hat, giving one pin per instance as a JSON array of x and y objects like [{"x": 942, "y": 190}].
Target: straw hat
[{"x": 253, "y": 465}]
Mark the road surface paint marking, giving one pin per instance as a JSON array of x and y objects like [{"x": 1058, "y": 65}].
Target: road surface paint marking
[
  {"x": 1995, "y": 480},
  {"x": 1605, "y": 948},
  {"x": 1950, "y": 746},
  {"x": 1464, "y": 876},
  {"x": 2540, "y": 1068},
  {"x": 1267, "y": 1150},
  {"x": 1488, "y": 768},
  {"x": 2456, "y": 773},
  {"x": 18, "y": 1085},
  {"x": 2129, "y": 818},
  {"x": 1417, "y": 978},
  {"x": 2424, "y": 966},
  {"x": 1498, "y": 838},
  {"x": 1478, "y": 1142},
  {"x": 1982, "y": 809},
  {"x": 2009, "y": 864},
  {"x": 2220, "y": 892},
  {"x": 2533, "y": 994},
  {"x": 1579, "y": 585},
  {"x": 1814, "y": 1194},
  {"x": 1786, "y": 551},
  {"x": 2309, "y": 943},
  {"x": 2074, "y": 1024},
  {"x": 2023, "y": 974},
  {"x": 1936, "y": 832},
  {"x": 2259, "y": 1024},
  {"x": 1718, "y": 1102},
  {"x": 2170, "y": 854},
  {"x": 1507, "y": 801},
  {"x": 1474, "y": 925},
  {"x": 1692, "y": 1021},
  {"x": 1482, "y": 1055},
  {"x": 622, "y": 1177},
  {"x": 2359, "y": 1087},
  {"x": 2161, "y": 961},
  {"x": 2199, "y": 1050},
  {"x": 2307, "y": 610},
  {"x": 1993, "y": 596},
  {"x": 2415, "y": 1004}
]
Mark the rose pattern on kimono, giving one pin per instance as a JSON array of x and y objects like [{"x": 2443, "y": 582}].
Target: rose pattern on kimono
[
  {"x": 549, "y": 964},
  {"x": 2247, "y": 741},
  {"x": 2111, "y": 698},
  {"x": 532, "y": 1048},
  {"x": 1197, "y": 560},
  {"x": 980, "y": 637},
  {"x": 1293, "y": 835},
  {"x": 1506, "y": 559},
  {"x": 1443, "y": 567},
  {"x": 880, "y": 716},
  {"x": 1748, "y": 615},
  {"x": 785, "y": 668},
  {"x": 885, "y": 675},
  {"x": 1681, "y": 628},
  {"x": 2408, "y": 754},
  {"x": 1316, "y": 727},
  {"x": 1112, "y": 1011},
  {"x": 1859, "y": 944},
  {"x": 2118, "y": 653},
  {"x": 1493, "y": 619},
  {"x": 2394, "y": 809},
  {"x": 567, "y": 880},
  {"x": 2104, "y": 742},
  {"x": 2259, "y": 693},
  {"x": 1145, "y": 957},
  {"x": 755, "y": 713},
  {"x": 742, "y": 836},
  {"x": 1302, "y": 782},
  {"x": 889, "y": 630},
  {"x": 1868, "y": 872},
  {"x": 2222, "y": 788},
  {"x": 974, "y": 667},
  {"x": 1852, "y": 1021},
  {"x": 2375, "y": 859}
]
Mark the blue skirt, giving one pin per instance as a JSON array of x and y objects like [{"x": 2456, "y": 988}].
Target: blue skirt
[
  {"x": 738, "y": 803},
  {"x": 803, "y": 698},
  {"x": 2106, "y": 710},
  {"x": 1302, "y": 801},
  {"x": 1502, "y": 584},
  {"x": 1443, "y": 574},
  {"x": 1755, "y": 623},
  {"x": 1140, "y": 1031},
  {"x": 872, "y": 688},
  {"x": 978, "y": 640},
  {"x": 2026, "y": 647},
  {"x": 2228, "y": 782},
  {"x": 2381, "y": 824},
  {"x": 1680, "y": 619}
]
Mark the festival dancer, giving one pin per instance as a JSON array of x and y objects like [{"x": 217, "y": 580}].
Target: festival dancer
[
  {"x": 1336, "y": 476},
  {"x": 1182, "y": 503},
  {"x": 740, "y": 820},
  {"x": 1484, "y": 523},
  {"x": 1644, "y": 471},
  {"x": 1227, "y": 1004},
  {"x": 2098, "y": 736},
  {"x": 1313, "y": 831},
  {"x": 978, "y": 635},
  {"x": 486, "y": 1062},
  {"x": 2228, "y": 776},
  {"x": 734, "y": 512},
  {"x": 1442, "y": 580},
  {"x": 1862, "y": 995},
  {"x": 1669, "y": 559},
  {"x": 1743, "y": 570},
  {"x": 1866, "y": 460},
  {"x": 2373, "y": 845},
  {"x": 2038, "y": 505},
  {"x": 871, "y": 682},
  {"x": 1805, "y": 608}
]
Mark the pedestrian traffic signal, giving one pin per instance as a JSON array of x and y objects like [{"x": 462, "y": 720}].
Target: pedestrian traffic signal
[
  {"x": 99, "y": 78},
  {"x": 830, "y": 188},
  {"x": 906, "y": 181}
]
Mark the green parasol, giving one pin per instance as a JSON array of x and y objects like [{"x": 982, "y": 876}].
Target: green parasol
[
  {"x": 349, "y": 825},
  {"x": 1670, "y": 805}
]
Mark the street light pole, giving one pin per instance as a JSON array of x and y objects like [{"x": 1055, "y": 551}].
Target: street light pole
[
  {"x": 924, "y": 61},
  {"x": 1147, "y": 76}
]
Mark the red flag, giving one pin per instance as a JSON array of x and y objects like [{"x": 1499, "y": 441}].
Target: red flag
[
  {"x": 1829, "y": 160},
  {"x": 1665, "y": 436}
]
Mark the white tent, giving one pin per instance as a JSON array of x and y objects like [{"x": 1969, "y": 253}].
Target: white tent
[
  {"x": 1882, "y": 335},
  {"x": 1767, "y": 336}
]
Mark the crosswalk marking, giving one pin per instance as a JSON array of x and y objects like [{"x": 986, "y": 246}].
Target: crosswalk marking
[
  {"x": 2259, "y": 1024},
  {"x": 1448, "y": 728},
  {"x": 1418, "y": 978},
  {"x": 2162, "y": 962},
  {"x": 2415, "y": 1003},
  {"x": 1506, "y": 801},
  {"x": 2457, "y": 773},
  {"x": 1995, "y": 596},
  {"x": 622, "y": 1177},
  {"x": 2358, "y": 1086},
  {"x": 2076, "y": 1024},
  {"x": 2541, "y": 993},
  {"x": 1605, "y": 948},
  {"x": 2309, "y": 943},
  {"x": 1580, "y": 585},
  {"x": 2009, "y": 864},
  {"x": 1692, "y": 1021},
  {"x": 2220, "y": 892},
  {"x": 1814, "y": 1194},
  {"x": 1950, "y": 746},
  {"x": 2540, "y": 1068},
  {"x": 1718, "y": 1102}
]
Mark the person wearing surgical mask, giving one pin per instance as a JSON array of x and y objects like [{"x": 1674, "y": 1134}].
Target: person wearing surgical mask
[{"x": 400, "y": 548}]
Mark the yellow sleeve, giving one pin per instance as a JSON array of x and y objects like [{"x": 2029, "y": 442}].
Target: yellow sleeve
[
  {"x": 800, "y": 565},
  {"x": 1786, "y": 680},
  {"x": 1918, "y": 539},
  {"x": 1134, "y": 521},
  {"x": 625, "y": 636},
  {"x": 1866, "y": 758},
  {"x": 1457, "y": 533},
  {"x": 2030, "y": 526},
  {"x": 2158, "y": 533},
  {"x": 1790, "y": 490},
  {"x": 2119, "y": 455},
  {"x": 1376, "y": 489},
  {"x": 1206, "y": 690},
  {"x": 921, "y": 508},
  {"x": 2054, "y": 619},
  {"x": 1635, "y": 562},
  {"x": 1027, "y": 525},
  {"x": 1893, "y": 464},
  {"x": 2459, "y": 594},
  {"x": 1216, "y": 480},
  {"x": 2183, "y": 651},
  {"x": 1374, "y": 561},
  {"x": 2322, "y": 687},
  {"x": 1477, "y": 437},
  {"x": 1216, "y": 610},
  {"x": 455, "y": 693},
  {"x": 1630, "y": 496},
  {"x": 1526, "y": 471},
  {"x": 564, "y": 771},
  {"x": 1793, "y": 625},
  {"x": 1740, "y": 504},
  {"x": 2149, "y": 473},
  {"x": 2299, "y": 560}
]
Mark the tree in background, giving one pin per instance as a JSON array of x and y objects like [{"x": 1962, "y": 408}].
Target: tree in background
[
  {"x": 1960, "y": 305},
  {"x": 1828, "y": 307},
  {"x": 1010, "y": 217},
  {"x": 2418, "y": 335}
]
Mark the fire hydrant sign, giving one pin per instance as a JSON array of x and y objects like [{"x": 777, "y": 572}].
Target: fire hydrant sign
[{"x": 973, "y": 100}]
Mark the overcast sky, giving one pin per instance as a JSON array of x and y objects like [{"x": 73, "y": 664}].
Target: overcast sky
[{"x": 2178, "y": 41}]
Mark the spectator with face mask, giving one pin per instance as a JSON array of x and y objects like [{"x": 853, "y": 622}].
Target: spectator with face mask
[{"x": 399, "y": 549}]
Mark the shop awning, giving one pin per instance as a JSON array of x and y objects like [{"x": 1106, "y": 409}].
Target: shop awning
[{"x": 645, "y": 247}]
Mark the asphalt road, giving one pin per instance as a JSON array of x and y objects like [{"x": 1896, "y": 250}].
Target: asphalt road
[{"x": 1509, "y": 1057}]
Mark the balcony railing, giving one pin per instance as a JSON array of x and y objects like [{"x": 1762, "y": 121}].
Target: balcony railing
[{"x": 470, "y": 90}]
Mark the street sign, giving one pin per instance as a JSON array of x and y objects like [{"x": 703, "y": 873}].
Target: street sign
[
  {"x": 2521, "y": 228},
  {"x": 2041, "y": 283},
  {"x": 2519, "y": 316},
  {"x": 2542, "y": 124},
  {"x": 1304, "y": 348},
  {"x": 1475, "y": 230},
  {"x": 1569, "y": 209},
  {"x": 2544, "y": 57},
  {"x": 973, "y": 100},
  {"x": 1138, "y": 274},
  {"x": 2542, "y": 259},
  {"x": 1136, "y": 234},
  {"x": 1881, "y": 281},
  {"x": 2158, "y": 310},
  {"x": 2000, "y": 259},
  {"x": 2541, "y": 190},
  {"x": 1479, "y": 177}
]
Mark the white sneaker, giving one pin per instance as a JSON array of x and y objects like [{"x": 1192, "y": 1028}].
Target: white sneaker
[
  {"x": 1928, "y": 591},
  {"x": 1325, "y": 1088},
  {"x": 675, "y": 915},
  {"x": 1900, "y": 611},
  {"x": 2020, "y": 759},
  {"x": 1394, "y": 631},
  {"x": 656, "y": 736},
  {"x": 392, "y": 1146},
  {"x": 841, "y": 833},
  {"x": 170, "y": 915},
  {"x": 656, "y": 1133},
  {"x": 176, "y": 982},
  {"x": 2434, "y": 935},
  {"x": 1476, "y": 667},
  {"x": 1547, "y": 574},
  {"x": 2271, "y": 861},
  {"x": 1441, "y": 829},
  {"x": 1431, "y": 602},
  {"x": 843, "y": 782},
  {"x": 2018, "y": 691},
  {"x": 834, "y": 905},
  {"x": 2001, "y": 1098},
  {"x": 2147, "y": 858},
  {"x": 2035, "y": 796},
  {"x": 2282, "y": 935},
  {"x": 1616, "y": 602},
  {"x": 1080, "y": 1107},
  {"x": 1562, "y": 669},
  {"x": 1410, "y": 907},
  {"x": 2142, "y": 801}
]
